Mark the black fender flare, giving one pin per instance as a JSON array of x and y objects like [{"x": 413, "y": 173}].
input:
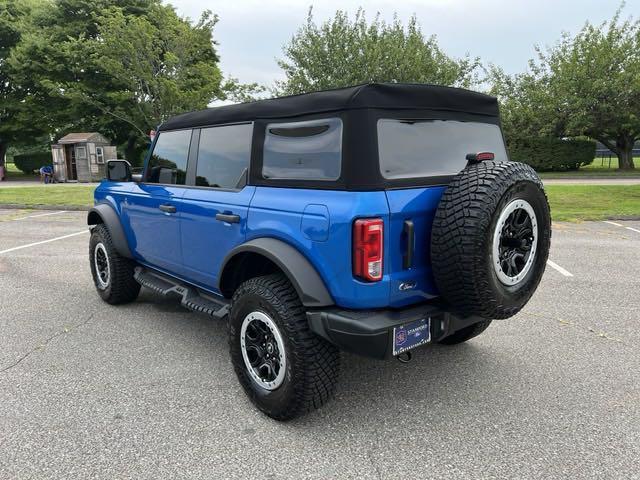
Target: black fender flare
[
  {"x": 106, "y": 214},
  {"x": 300, "y": 272}
]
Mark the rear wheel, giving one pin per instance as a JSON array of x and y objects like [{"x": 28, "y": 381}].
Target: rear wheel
[
  {"x": 112, "y": 273},
  {"x": 284, "y": 368},
  {"x": 466, "y": 333}
]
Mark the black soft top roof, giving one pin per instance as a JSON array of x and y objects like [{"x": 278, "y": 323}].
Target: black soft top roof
[{"x": 385, "y": 96}]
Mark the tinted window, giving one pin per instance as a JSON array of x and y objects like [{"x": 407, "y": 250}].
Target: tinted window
[
  {"x": 223, "y": 156},
  {"x": 168, "y": 163},
  {"x": 310, "y": 150},
  {"x": 423, "y": 148}
]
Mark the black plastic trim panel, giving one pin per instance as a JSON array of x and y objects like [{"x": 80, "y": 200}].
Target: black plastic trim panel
[
  {"x": 304, "y": 277},
  {"x": 370, "y": 332},
  {"x": 110, "y": 219}
]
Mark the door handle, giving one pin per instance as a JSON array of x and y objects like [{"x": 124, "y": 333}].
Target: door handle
[
  {"x": 407, "y": 258},
  {"x": 167, "y": 208},
  {"x": 228, "y": 218}
]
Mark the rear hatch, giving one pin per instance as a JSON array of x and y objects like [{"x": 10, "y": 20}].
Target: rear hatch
[{"x": 432, "y": 152}]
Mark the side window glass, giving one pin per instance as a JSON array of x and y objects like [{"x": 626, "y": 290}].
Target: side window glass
[
  {"x": 168, "y": 162},
  {"x": 309, "y": 150},
  {"x": 223, "y": 156}
]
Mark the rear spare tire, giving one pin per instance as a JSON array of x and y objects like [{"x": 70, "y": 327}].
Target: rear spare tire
[{"x": 490, "y": 239}]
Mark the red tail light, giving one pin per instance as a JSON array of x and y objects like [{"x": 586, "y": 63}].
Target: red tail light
[{"x": 367, "y": 248}]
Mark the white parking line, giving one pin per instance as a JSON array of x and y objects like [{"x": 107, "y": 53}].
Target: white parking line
[
  {"x": 612, "y": 223},
  {"x": 40, "y": 215},
  {"x": 618, "y": 225},
  {"x": 43, "y": 241},
  {"x": 564, "y": 272}
]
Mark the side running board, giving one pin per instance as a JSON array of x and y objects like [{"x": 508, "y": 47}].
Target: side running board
[{"x": 190, "y": 297}]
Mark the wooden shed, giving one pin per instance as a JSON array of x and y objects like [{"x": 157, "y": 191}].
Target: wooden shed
[{"x": 81, "y": 157}]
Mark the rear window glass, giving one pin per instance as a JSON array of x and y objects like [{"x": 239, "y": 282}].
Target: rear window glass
[
  {"x": 425, "y": 148},
  {"x": 309, "y": 150}
]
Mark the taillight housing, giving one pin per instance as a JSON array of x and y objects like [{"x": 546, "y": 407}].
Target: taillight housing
[{"x": 368, "y": 234}]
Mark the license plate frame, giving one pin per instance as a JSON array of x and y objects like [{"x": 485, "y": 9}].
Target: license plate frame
[{"x": 411, "y": 335}]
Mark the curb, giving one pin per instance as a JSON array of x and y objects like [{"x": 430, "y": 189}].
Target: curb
[
  {"x": 624, "y": 217},
  {"x": 22, "y": 206}
]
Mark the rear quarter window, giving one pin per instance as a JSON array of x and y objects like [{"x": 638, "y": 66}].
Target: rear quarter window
[
  {"x": 429, "y": 148},
  {"x": 309, "y": 150}
]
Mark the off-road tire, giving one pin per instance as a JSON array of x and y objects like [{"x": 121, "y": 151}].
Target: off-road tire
[
  {"x": 312, "y": 365},
  {"x": 467, "y": 333},
  {"x": 462, "y": 238},
  {"x": 122, "y": 286}
]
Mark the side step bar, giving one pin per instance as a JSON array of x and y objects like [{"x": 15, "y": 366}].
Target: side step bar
[{"x": 189, "y": 296}]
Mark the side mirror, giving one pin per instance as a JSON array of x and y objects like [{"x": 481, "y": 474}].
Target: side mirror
[{"x": 118, "y": 171}]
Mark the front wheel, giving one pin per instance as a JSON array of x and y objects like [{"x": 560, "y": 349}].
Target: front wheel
[
  {"x": 112, "y": 273},
  {"x": 284, "y": 368}
]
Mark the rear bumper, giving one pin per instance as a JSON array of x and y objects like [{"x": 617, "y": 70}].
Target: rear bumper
[{"x": 370, "y": 332}]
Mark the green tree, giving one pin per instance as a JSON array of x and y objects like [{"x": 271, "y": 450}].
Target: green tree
[
  {"x": 120, "y": 67},
  {"x": 20, "y": 116},
  {"x": 341, "y": 52},
  {"x": 585, "y": 85},
  {"x": 596, "y": 77},
  {"x": 157, "y": 65},
  {"x": 528, "y": 107}
]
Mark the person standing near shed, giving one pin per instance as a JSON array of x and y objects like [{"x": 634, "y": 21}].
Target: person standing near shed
[{"x": 46, "y": 174}]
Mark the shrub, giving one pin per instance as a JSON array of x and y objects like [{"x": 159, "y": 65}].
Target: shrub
[
  {"x": 553, "y": 154},
  {"x": 29, "y": 162}
]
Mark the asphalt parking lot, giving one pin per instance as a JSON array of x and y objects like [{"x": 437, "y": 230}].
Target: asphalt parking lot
[{"x": 88, "y": 390}]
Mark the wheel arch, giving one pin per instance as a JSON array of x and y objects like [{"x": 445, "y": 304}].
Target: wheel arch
[
  {"x": 106, "y": 214},
  {"x": 274, "y": 253}
]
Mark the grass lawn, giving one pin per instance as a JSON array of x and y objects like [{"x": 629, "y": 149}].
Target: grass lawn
[
  {"x": 575, "y": 203},
  {"x": 48, "y": 195}
]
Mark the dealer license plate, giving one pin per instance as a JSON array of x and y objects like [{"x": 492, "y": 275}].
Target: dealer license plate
[{"x": 411, "y": 335}]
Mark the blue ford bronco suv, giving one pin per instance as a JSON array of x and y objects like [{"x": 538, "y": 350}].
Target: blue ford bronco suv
[{"x": 372, "y": 219}]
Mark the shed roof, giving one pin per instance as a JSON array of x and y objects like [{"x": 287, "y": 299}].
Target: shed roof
[
  {"x": 82, "y": 137},
  {"x": 392, "y": 96}
]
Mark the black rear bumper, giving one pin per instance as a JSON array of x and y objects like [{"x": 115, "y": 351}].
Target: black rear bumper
[{"x": 370, "y": 332}]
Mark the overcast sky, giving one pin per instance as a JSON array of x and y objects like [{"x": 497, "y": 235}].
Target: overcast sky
[{"x": 251, "y": 33}]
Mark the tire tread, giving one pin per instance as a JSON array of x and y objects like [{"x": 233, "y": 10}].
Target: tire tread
[
  {"x": 318, "y": 360},
  {"x": 460, "y": 233},
  {"x": 123, "y": 288}
]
